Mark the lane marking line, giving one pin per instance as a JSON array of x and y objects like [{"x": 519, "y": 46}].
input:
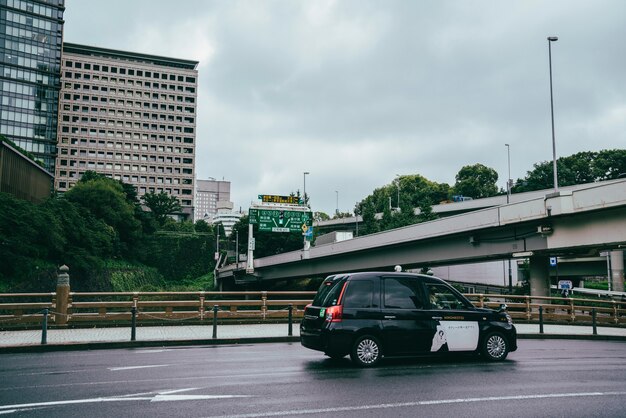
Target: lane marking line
[
  {"x": 115, "y": 369},
  {"x": 419, "y": 403}
]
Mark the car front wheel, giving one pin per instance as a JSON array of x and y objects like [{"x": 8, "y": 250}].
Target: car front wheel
[
  {"x": 366, "y": 351},
  {"x": 495, "y": 347}
]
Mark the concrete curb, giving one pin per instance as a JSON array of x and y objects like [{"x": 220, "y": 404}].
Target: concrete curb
[{"x": 106, "y": 345}]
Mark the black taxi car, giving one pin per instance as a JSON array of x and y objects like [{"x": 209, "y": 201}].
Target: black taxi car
[{"x": 375, "y": 314}]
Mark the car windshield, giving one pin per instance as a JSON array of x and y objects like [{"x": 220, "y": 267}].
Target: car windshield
[{"x": 329, "y": 292}]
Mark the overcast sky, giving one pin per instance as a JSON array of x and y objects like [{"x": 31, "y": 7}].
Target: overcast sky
[{"x": 356, "y": 92}]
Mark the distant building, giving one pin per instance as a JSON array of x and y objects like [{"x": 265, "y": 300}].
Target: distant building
[
  {"x": 30, "y": 61},
  {"x": 22, "y": 177},
  {"x": 208, "y": 193},
  {"x": 131, "y": 117},
  {"x": 226, "y": 216}
]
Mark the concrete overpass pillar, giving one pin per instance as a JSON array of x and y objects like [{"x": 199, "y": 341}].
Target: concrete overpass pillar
[
  {"x": 617, "y": 271},
  {"x": 539, "y": 276}
]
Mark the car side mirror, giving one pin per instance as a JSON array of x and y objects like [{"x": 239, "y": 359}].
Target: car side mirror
[{"x": 502, "y": 307}]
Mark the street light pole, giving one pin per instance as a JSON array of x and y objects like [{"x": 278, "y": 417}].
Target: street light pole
[
  {"x": 556, "y": 182},
  {"x": 508, "y": 180},
  {"x": 304, "y": 189},
  {"x": 398, "y": 184},
  {"x": 508, "y": 199},
  {"x": 337, "y": 210}
]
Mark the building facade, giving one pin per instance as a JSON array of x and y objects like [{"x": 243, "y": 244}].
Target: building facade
[
  {"x": 22, "y": 177},
  {"x": 226, "y": 216},
  {"x": 129, "y": 116},
  {"x": 31, "y": 36},
  {"x": 208, "y": 193}
]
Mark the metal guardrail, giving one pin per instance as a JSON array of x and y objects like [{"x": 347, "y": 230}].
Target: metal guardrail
[{"x": 112, "y": 308}]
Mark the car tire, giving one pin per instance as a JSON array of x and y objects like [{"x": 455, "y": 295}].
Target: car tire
[
  {"x": 495, "y": 347},
  {"x": 366, "y": 351}
]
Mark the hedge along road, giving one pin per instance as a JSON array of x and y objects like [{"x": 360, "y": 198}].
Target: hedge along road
[{"x": 543, "y": 378}]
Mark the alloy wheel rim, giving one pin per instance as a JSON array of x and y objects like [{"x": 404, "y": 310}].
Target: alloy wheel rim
[
  {"x": 496, "y": 346},
  {"x": 367, "y": 351}
]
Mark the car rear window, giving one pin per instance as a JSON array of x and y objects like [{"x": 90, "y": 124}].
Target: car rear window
[
  {"x": 329, "y": 292},
  {"x": 359, "y": 294}
]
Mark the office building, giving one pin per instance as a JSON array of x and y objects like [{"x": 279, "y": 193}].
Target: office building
[
  {"x": 208, "y": 193},
  {"x": 22, "y": 177},
  {"x": 129, "y": 116},
  {"x": 226, "y": 216},
  {"x": 30, "y": 57}
]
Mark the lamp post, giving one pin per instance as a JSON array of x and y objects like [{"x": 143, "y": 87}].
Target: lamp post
[
  {"x": 508, "y": 180},
  {"x": 304, "y": 189},
  {"x": 356, "y": 218},
  {"x": 508, "y": 199},
  {"x": 556, "y": 182},
  {"x": 398, "y": 184},
  {"x": 337, "y": 210}
]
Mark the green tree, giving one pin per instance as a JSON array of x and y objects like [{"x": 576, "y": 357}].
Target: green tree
[
  {"x": 202, "y": 226},
  {"x": 161, "y": 204},
  {"x": 477, "y": 181},
  {"x": 320, "y": 216},
  {"x": 415, "y": 191},
  {"x": 579, "y": 168},
  {"x": 106, "y": 200}
]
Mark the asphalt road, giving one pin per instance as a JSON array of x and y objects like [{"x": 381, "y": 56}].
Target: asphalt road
[{"x": 544, "y": 378}]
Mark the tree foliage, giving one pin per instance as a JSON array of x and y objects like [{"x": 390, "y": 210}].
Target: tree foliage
[
  {"x": 414, "y": 191},
  {"x": 476, "y": 181},
  {"x": 579, "y": 168},
  {"x": 161, "y": 204}
]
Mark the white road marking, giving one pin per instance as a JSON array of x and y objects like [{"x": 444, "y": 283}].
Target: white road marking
[
  {"x": 151, "y": 396},
  {"x": 419, "y": 403},
  {"x": 114, "y": 369}
]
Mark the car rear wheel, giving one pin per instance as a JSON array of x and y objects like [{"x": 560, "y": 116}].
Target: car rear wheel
[
  {"x": 366, "y": 351},
  {"x": 495, "y": 347}
]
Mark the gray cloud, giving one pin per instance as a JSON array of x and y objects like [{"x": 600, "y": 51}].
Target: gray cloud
[{"x": 356, "y": 92}]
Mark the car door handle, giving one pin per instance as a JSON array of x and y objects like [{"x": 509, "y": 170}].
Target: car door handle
[
  {"x": 437, "y": 318},
  {"x": 390, "y": 317}
]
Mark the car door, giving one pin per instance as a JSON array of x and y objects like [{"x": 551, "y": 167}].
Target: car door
[
  {"x": 407, "y": 327},
  {"x": 454, "y": 322}
]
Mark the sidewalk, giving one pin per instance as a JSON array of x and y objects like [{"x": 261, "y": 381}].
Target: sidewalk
[{"x": 156, "y": 336}]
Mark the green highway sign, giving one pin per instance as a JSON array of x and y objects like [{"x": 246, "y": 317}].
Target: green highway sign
[{"x": 280, "y": 220}]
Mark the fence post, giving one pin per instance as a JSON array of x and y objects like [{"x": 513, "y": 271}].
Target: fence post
[
  {"x": 529, "y": 314},
  {"x": 540, "y": 319},
  {"x": 290, "y": 329},
  {"x": 593, "y": 321},
  {"x": 573, "y": 313},
  {"x": 215, "y": 309},
  {"x": 133, "y": 323},
  {"x": 264, "y": 306},
  {"x": 44, "y": 327},
  {"x": 481, "y": 300},
  {"x": 201, "y": 306},
  {"x": 63, "y": 296},
  {"x": 615, "y": 316}
]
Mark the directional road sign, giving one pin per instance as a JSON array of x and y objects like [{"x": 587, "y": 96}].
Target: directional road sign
[{"x": 280, "y": 220}]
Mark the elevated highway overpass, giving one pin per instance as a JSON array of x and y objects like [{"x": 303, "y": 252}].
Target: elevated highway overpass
[{"x": 571, "y": 223}]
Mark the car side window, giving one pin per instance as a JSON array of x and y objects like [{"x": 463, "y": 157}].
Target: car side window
[
  {"x": 442, "y": 297},
  {"x": 402, "y": 293},
  {"x": 359, "y": 294}
]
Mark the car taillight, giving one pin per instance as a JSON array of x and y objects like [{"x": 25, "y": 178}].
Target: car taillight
[{"x": 334, "y": 313}]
